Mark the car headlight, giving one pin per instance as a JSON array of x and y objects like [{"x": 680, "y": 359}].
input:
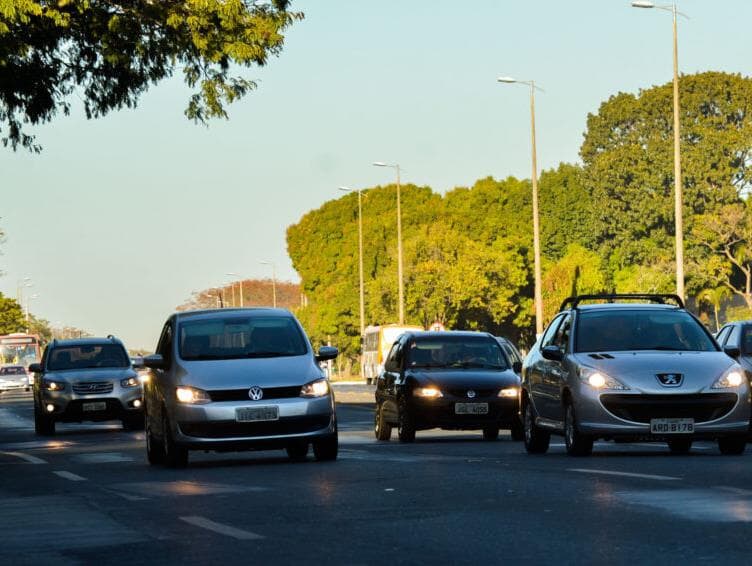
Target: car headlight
[
  {"x": 509, "y": 392},
  {"x": 51, "y": 385},
  {"x": 192, "y": 395},
  {"x": 129, "y": 382},
  {"x": 733, "y": 377},
  {"x": 427, "y": 392},
  {"x": 317, "y": 388},
  {"x": 599, "y": 380}
]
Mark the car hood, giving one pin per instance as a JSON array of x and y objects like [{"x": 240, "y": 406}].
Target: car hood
[
  {"x": 638, "y": 370},
  {"x": 243, "y": 373},
  {"x": 94, "y": 374},
  {"x": 461, "y": 378}
]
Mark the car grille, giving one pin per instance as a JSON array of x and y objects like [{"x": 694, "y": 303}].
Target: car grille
[
  {"x": 232, "y": 429},
  {"x": 92, "y": 387},
  {"x": 478, "y": 392},
  {"x": 242, "y": 394},
  {"x": 641, "y": 408}
]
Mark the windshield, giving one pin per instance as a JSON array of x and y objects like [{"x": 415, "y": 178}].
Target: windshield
[
  {"x": 15, "y": 370},
  {"x": 23, "y": 354},
  {"x": 88, "y": 357},
  {"x": 235, "y": 337},
  {"x": 627, "y": 330},
  {"x": 455, "y": 352}
]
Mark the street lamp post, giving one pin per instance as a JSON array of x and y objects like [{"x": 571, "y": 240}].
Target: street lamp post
[
  {"x": 678, "y": 198},
  {"x": 360, "y": 270},
  {"x": 274, "y": 281},
  {"x": 536, "y": 221},
  {"x": 240, "y": 286},
  {"x": 400, "y": 288}
]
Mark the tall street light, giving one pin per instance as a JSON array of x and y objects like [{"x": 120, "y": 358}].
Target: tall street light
[
  {"x": 360, "y": 268},
  {"x": 274, "y": 281},
  {"x": 536, "y": 222},
  {"x": 401, "y": 289},
  {"x": 240, "y": 286},
  {"x": 678, "y": 214}
]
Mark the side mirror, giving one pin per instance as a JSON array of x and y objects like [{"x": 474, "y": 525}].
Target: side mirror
[
  {"x": 517, "y": 367},
  {"x": 35, "y": 368},
  {"x": 137, "y": 362},
  {"x": 552, "y": 352},
  {"x": 155, "y": 361},
  {"x": 732, "y": 351},
  {"x": 327, "y": 353}
]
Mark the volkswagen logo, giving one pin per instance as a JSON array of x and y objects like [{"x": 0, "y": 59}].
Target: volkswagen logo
[
  {"x": 255, "y": 393},
  {"x": 470, "y": 393},
  {"x": 670, "y": 379}
]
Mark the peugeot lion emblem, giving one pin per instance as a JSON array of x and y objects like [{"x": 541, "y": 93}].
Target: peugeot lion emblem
[
  {"x": 255, "y": 393},
  {"x": 470, "y": 393},
  {"x": 670, "y": 379}
]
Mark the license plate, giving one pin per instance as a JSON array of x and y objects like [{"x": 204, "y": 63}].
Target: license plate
[
  {"x": 471, "y": 408},
  {"x": 672, "y": 426},
  {"x": 98, "y": 406},
  {"x": 253, "y": 414}
]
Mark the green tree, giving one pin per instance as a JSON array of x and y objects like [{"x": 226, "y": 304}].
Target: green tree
[
  {"x": 579, "y": 271},
  {"x": 109, "y": 52},
  {"x": 40, "y": 327},
  {"x": 11, "y": 316},
  {"x": 714, "y": 297}
]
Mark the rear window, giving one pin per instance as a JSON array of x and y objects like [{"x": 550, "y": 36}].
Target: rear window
[
  {"x": 449, "y": 351},
  {"x": 628, "y": 330},
  {"x": 237, "y": 337},
  {"x": 13, "y": 371},
  {"x": 88, "y": 357}
]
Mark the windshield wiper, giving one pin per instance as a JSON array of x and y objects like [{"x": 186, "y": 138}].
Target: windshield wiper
[
  {"x": 475, "y": 365},
  {"x": 266, "y": 354},
  {"x": 429, "y": 365}
]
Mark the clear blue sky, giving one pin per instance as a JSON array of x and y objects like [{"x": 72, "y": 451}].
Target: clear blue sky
[{"x": 119, "y": 219}]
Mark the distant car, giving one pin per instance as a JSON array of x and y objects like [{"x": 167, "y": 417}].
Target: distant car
[
  {"x": 450, "y": 380},
  {"x": 511, "y": 353},
  {"x": 86, "y": 379},
  {"x": 738, "y": 335},
  {"x": 237, "y": 379},
  {"x": 13, "y": 377},
  {"x": 626, "y": 370}
]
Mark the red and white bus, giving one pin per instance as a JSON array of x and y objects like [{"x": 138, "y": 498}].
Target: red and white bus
[{"x": 20, "y": 349}]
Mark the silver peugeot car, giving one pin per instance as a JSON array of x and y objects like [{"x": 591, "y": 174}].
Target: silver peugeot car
[
  {"x": 628, "y": 370},
  {"x": 237, "y": 379}
]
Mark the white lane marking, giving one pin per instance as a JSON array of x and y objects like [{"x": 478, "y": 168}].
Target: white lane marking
[
  {"x": 226, "y": 530},
  {"x": 69, "y": 475},
  {"x": 624, "y": 474},
  {"x": 27, "y": 457}
]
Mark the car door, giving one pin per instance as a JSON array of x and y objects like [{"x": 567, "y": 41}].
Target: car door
[
  {"x": 556, "y": 375},
  {"x": 386, "y": 386},
  {"x": 155, "y": 391},
  {"x": 535, "y": 372}
]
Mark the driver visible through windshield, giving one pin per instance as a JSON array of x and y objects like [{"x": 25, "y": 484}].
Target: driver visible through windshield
[{"x": 455, "y": 352}]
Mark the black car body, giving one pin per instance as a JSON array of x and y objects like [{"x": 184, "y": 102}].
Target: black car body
[{"x": 449, "y": 380}]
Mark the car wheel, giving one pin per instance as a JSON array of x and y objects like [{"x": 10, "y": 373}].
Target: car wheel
[
  {"x": 490, "y": 433},
  {"x": 369, "y": 380},
  {"x": 381, "y": 428},
  {"x": 325, "y": 449},
  {"x": 680, "y": 445},
  {"x": 406, "y": 428},
  {"x": 577, "y": 444},
  {"x": 154, "y": 448},
  {"x": 175, "y": 456},
  {"x": 133, "y": 422},
  {"x": 732, "y": 445},
  {"x": 43, "y": 425},
  {"x": 517, "y": 431},
  {"x": 536, "y": 439},
  {"x": 297, "y": 451}
]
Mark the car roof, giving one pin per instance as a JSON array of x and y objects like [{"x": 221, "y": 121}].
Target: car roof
[
  {"x": 748, "y": 321},
  {"x": 441, "y": 333},
  {"x": 626, "y": 306},
  {"x": 213, "y": 313},
  {"x": 88, "y": 341}
]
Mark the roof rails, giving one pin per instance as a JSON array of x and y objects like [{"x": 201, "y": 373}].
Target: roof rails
[{"x": 573, "y": 302}]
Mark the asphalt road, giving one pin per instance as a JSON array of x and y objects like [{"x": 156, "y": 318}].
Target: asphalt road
[{"x": 88, "y": 496}]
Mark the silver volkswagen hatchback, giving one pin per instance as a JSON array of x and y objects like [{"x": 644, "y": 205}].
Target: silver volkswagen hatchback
[
  {"x": 237, "y": 379},
  {"x": 632, "y": 371}
]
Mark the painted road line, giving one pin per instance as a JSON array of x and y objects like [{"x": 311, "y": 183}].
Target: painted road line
[
  {"x": 27, "y": 457},
  {"x": 69, "y": 475},
  {"x": 226, "y": 530},
  {"x": 624, "y": 474}
]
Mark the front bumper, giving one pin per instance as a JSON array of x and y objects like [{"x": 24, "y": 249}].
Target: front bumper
[
  {"x": 440, "y": 413},
  {"x": 14, "y": 385},
  {"x": 70, "y": 406}
]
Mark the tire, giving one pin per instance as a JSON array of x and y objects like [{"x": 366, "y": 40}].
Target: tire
[
  {"x": 536, "y": 440},
  {"x": 175, "y": 456},
  {"x": 43, "y": 425},
  {"x": 491, "y": 433},
  {"x": 134, "y": 422},
  {"x": 406, "y": 428},
  {"x": 732, "y": 445},
  {"x": 516, "y": 431},
  {"x": 369, "y": 380},
  {"x": 325, "y": 449},
  {"x": 680, "y": 445},
  {"x": 381, "y": 428},
  {"x": 577, "y": 444},
  {"x": 154, "y": 447},
  {"x": 297, "y": 451}
]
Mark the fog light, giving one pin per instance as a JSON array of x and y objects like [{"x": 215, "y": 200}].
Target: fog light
[
  {"x": 137, "y": 403},
  {"x": 50, "y": 408}
]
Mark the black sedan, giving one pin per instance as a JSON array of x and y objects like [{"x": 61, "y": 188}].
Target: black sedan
[{"x": 448, "y": 380}]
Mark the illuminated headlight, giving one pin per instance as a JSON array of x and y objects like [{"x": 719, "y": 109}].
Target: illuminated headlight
[
  {"x": 599, "y": 380},
  {"x": 317, "y": 388},
  {"x": 732, "y": 378},
  {"x": 427, "y": 392},
  {"x": 50, "y": 385},
  {"x": 130, "y": 382},
  {"x": 509, "y": 392},
  {"x": 192, "y": 395}
]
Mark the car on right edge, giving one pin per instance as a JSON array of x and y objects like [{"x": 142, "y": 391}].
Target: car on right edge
[{"x": 632, "y": 368}]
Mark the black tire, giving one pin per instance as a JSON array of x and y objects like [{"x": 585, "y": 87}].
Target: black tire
[
  {"x": 134, "y": 422},
  {"x": 491, "y": 433},
  {"x": 516, "y": 431},
  {"x": 326, "y": 449},
  {"x": 381, "y": 428},
  {"x": 577, "y": 443},
  {"x": 536, "y": 439},
  {"x": 406, "y": 428},
  {"x": 680, "y": 445},
  {"x": 43, "y": 425},
  {"x": 175, "y": 455},
  {"x": 732, "y": 445},
  {"x": 297, "y": 451},
  {"x": 369, "y": 380},
  {"x": 154, "y": 447}
]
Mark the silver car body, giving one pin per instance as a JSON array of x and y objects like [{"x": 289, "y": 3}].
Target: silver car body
[{"x": 14, "y": 377}]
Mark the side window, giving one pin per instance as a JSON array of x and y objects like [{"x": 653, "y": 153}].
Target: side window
[
  {"x": 548, "y": 335},
  {"x": 733, "y": 338},
  {"x": 746, "y": 345},
  {"x": 391, "y": 364},
  {"x": 562, "y": 335},
  {"x": 723, "y": 335}
]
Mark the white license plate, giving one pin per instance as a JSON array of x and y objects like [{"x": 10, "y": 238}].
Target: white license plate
[
  {"x": 254, "y": 414},
  {"x": 471, "y": 408},
  {"x": 98, "y": 406},
  {"x": 672, "y": 426}
]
